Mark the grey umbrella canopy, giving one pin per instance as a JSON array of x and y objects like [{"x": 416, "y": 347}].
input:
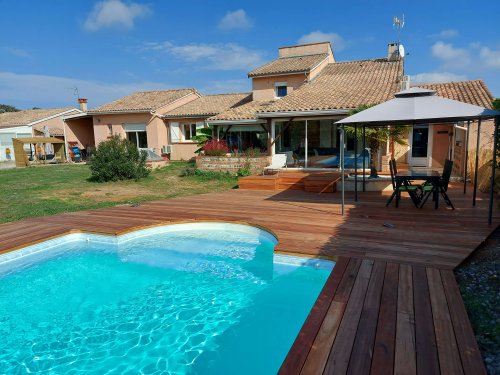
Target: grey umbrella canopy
[{"x": 419, "y": 106}]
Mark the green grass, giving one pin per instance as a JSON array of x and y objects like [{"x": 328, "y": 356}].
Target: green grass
[{"x": 48, "y": 190}]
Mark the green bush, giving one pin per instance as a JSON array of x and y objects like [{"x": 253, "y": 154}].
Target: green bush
[{"x": 118, "y": 159}]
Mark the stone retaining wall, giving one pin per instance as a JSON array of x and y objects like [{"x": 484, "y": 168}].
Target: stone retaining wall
[{"x": 232, "y": 164}]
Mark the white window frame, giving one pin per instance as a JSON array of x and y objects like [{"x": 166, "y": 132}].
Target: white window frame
[
  {"x": 187, "y": 128},
  {"x": 280, "y": 84}
]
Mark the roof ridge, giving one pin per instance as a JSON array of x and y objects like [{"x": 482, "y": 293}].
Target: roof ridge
[
  {"x": 228, "y": 93},
  {"x": 363, "y": 60},
  {"x": 295, "y": 56},
  {"x": 163, "y": 90}
]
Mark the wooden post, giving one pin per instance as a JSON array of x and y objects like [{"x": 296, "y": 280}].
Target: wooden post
[
  {"x": 477, "y": 163},
  {"x": 355, "y": 162},
  {"x": 466, "y": 156},
  {"x": 493, "y": 170},
  {"x": 364, "y": 163},
  {"x": 342, "y": 165}
]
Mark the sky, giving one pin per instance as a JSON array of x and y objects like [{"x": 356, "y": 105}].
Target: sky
[{"x": 52, "y": 51}]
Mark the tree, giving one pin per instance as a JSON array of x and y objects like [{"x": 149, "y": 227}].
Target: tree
[{"x": 8, "y": 108}]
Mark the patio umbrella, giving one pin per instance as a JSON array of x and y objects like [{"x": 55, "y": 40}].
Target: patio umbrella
[{"x": 418, "y": 105}]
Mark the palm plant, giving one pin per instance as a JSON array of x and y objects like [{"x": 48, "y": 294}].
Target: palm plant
[
  {"x": 377, "y": 136},
  {"x": 203, "y": 136}
]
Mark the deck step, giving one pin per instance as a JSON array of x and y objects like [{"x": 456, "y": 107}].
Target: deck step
[{"x": 318, "y": 182}]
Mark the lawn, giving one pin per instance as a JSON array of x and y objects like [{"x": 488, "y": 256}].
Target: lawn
[{"x": 48, "y": 190}]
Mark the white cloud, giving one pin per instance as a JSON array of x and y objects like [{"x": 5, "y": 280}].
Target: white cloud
[
  {"x": 18, "y": 52},
  {"x": 237, "y": 20},
  {"x": 446, "y": 34},
  {"x": 317, "y": 36},
  {"x": 224, "y": 56},
  {"x": 491, "y": 58},
  {"x": 447, "y": 52},
  {"x": 114, "y": 13},
  {"x": 436, "y": 77},
  {"x": 27, "y": 89}
]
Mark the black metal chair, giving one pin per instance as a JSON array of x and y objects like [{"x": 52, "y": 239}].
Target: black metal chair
[
  {"x": 410, "y": 189},
  {"x": 442, "y": 186}
]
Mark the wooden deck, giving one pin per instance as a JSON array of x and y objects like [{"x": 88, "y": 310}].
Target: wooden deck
[
  {"x": 391, "y": 305},
  {"x": 316, "y": 182}
]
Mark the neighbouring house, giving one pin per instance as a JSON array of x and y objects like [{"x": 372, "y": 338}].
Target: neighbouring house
[
  {"x": 32, "y": 123},
  {"x": 138, "y": 117},
  {"x": 184, "y": 121}
]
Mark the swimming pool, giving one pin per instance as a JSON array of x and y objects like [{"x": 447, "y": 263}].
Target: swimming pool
[{"x": 202, "y": 298}]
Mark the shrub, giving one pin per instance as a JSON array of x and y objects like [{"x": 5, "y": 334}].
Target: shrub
[
  {"x": 215, "y": 147},
  {"x": 245, "y": 171},
  {"x": 252, "y": 152},
  {"x": 118, "y": 159}
]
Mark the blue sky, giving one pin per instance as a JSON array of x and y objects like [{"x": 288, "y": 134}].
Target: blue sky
[{"x": 108, "y": 49}]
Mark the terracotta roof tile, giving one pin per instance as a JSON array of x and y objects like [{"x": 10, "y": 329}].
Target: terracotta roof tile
[
  {"x": 143, "y": 101},
  {"x": 295, "y": 64},
  {"x": 10, "y": 119},
  {"x": 53, "y": 131},
  {"x": 246, "y": 111},
  {"x": 210, "y": 105},
  {"x": 344, "y": 85},
  {"x": 472, "y": 92}
]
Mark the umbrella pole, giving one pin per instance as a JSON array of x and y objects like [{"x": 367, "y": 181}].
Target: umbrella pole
[
  {"x": 363, "y": 153},
  {"x": 493, "y": 170},
  {"x": 342, "y": 166},
  {"x": 355, "y": 162},
  {"x": 466, "y": 156},
  {"x": 477, "y": 163}
]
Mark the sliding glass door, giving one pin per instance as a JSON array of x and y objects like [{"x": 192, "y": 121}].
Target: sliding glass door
[{"x": 309, "y": 144}]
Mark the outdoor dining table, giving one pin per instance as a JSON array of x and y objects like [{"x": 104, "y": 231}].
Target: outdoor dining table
[{"x": 404, "y": 178}]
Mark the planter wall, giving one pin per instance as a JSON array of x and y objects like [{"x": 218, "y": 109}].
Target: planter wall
[{"x": 232, "y": 164}]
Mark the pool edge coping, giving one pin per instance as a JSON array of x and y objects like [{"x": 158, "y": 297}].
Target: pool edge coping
[{"x": 161, "y": 224}]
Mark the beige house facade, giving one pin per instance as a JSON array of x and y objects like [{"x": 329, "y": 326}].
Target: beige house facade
[{"x": 138, "y": 117}]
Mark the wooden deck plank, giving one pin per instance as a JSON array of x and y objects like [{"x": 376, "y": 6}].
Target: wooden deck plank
[
  {"x": 297, "y": 355},
  {"x": 405, "y": 345},
  {"x": 383, "y": 351},
  {"x": 362, "y": 350},
  {"x": 449, "y": 358},
  {"x": 469, "y": 352},
  {"x": 427, "y": 357},
  {"x": 340, "y": 353},
  {"x": 320, "y": 350}
]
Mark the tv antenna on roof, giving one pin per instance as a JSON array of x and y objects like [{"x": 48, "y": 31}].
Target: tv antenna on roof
[
  {"x": 398, "y": 24},
  {"x": 75, "y": 92}
]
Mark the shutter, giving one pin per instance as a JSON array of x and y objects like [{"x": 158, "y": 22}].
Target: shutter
[{"x": 175, "y": 132}]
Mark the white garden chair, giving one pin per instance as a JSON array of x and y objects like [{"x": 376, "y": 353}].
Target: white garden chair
[{"x": 278, "y": 162}]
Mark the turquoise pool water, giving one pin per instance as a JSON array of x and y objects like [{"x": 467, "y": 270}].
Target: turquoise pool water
[{"x": 183, "y": 299}]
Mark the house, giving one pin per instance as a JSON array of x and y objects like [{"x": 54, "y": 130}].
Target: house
[
  {"x": 34, "y": 122},
  {"x": 138, "y": 117},
  {"x": 298, "y": 97},
  {"x": 185, "y": 120}
]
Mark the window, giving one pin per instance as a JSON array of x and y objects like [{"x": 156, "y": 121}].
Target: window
[
  {"x": 280, "y": 89},
  {"x": 138, "y": 138},
  {"x": 189, "y": 131}
]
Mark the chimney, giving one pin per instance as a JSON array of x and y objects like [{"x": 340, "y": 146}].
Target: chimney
[
  {"x": 392, "y": 52},
  {"x": 83, "y": 104}
]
